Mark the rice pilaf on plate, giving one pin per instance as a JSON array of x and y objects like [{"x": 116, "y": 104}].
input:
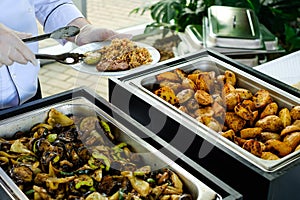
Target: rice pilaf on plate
[{"x": 122, "y": 54}]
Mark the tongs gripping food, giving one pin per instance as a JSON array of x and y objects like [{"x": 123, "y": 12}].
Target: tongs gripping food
[{"x": 65, "y": 58}]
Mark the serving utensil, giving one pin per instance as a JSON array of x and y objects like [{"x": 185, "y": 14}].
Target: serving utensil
[
  {"x": 61, "y": 33},
  {"x": 65, "y": 58}
]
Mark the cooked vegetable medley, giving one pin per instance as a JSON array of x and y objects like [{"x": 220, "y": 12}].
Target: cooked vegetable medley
[
  {"x": 72, "y": 157},
  {"x": 253, "y": 121}
]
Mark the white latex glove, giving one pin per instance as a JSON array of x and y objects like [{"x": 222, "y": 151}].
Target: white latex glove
[
  {"x": 90, "y": 33},
  {"x": 13, "y": 49}
]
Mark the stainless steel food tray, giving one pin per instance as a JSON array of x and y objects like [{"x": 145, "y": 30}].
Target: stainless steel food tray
[
  {"x": 83, "y": 107},
  {"x": 141, "y": 85}
]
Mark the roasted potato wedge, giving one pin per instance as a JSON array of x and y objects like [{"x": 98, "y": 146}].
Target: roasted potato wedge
[
  {"x": 170, "y": 76},
  {"x": 230, "y": 77},
  {"x": 181, "y": 74},
  {"x": 167, "y": 94},
  {"x": 284, "y": 115},
  {"x": 231, "y": 100},
  {"x": 211, "y": 123},
  {"x": 270, "y": 123},
  {"x": 185, "y": 95},
  {"x": 297, "y": 148},
  {"x": 289, "y": 129},
  {"x": 188, "y": 84},
  {"x": 296, "y": 123},
  {"x": 249, "y": 133},
  {"x": 221, "y": 79},
  {"x": 270, "y": 109},
  {"x": 265, "y": 136},
  {"x": 206, "y": 111},
  {"x": 293, "y": 139},
  {"x": 183, "y": 109},
  {"x": 295, "y": 113},
  {"x": 230, "y": 134},
  {"x": 244, "y": 93},
  {"x": 261, "y": 98},
  {"x": 227, "y": 88},
  {"x": 254, "y": 119},
  {"x": 239, "y": 141},
  {"x": 192, "y": 104},
  {"x": 176, "y": 87},
  {"x": 193, "y": 77},
  {"x": 278, "y": 147},
  {"x": 205, "y": 82},
  {"x": 249, "y": 103},
  {"x": 219, "y": 111},
  {"x": 269, "y": 156},
  {"x": 253, "y": 147},
  {"x": 234, "y": 122},
  {"x": 243, "y": 112},
  {"x": 203, "y": 98}
]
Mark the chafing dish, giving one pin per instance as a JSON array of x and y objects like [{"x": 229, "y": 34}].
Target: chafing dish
[
  {"x": 133, "y": 95},
  {"x": 231, "y": 31},
  {"x": 233, "y": 27},
  {"x": 148, "y": 82},
  {"x": 78, "y": 105}
]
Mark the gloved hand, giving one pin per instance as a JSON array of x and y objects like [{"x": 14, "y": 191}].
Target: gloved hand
[
  {"x": 90, "y": 33},
  {"x": 13, "y": 49}
]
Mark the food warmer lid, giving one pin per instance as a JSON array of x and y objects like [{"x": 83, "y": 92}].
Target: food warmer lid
[{"x": 233, "y": 27}]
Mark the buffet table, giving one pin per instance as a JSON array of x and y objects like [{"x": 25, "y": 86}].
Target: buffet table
[{"x": 229, "y": 171}]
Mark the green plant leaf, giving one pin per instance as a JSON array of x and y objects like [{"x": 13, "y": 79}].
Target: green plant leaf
[{"x": 279, "y": 16}]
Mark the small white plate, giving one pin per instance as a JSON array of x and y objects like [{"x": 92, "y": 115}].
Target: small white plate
[{"x": 91, "y": 69}]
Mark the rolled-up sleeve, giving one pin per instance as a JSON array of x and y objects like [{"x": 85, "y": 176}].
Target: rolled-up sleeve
[{"x": 53, "y": 14}]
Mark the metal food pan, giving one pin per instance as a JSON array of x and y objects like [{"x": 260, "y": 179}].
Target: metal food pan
[
  {"x": 81, "y": 107},
  {"x": 144, "y": 84}
]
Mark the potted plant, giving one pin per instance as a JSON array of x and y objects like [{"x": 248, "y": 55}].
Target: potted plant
[{"x": 281, "y": 17}]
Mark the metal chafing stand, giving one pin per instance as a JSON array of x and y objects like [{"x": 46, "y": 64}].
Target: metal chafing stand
[
  {"x": 244, "y": 175},
  {"x": 9, "y": 192}
]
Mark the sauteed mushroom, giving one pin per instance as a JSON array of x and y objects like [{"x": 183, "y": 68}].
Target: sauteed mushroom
[
  {"x": 21, "y": 174},
  {"x": 72, "y": 157}
]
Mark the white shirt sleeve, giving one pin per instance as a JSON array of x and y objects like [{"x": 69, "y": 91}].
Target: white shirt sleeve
[{"x": 53, "y": 14}]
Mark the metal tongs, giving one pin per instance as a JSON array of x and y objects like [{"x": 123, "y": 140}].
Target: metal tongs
[
  {"x": 65, "y": 58},
  {"x": 61, "y": 33}
]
